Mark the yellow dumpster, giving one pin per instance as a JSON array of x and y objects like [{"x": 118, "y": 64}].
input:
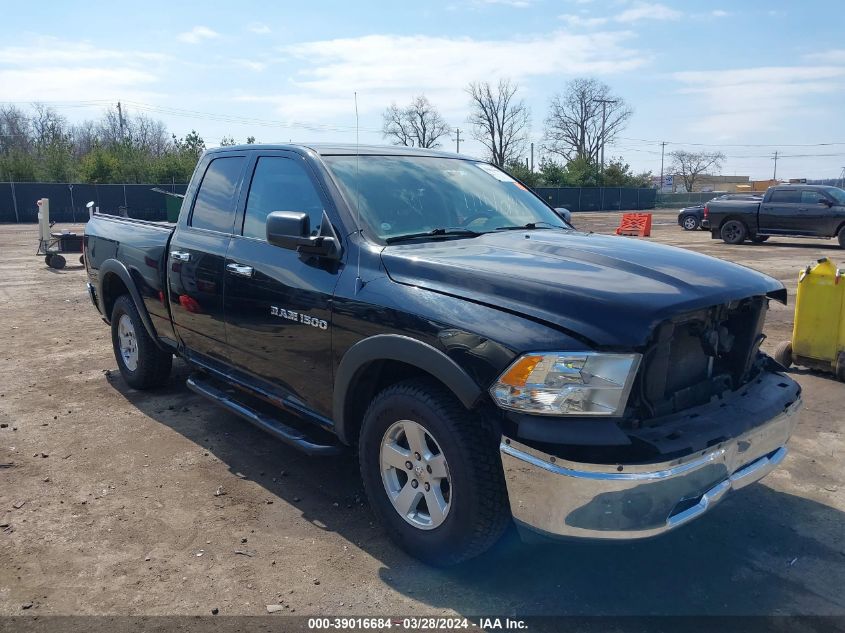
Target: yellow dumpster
[{"x": 818, "y": 335}]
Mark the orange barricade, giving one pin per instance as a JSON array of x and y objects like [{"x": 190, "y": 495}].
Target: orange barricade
[{"x": 638, "y": 224}]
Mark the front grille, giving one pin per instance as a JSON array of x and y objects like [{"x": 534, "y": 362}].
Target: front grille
[{"x": 698, "y": 355}]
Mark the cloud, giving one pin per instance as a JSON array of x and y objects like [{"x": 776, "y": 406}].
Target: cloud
[
  {"x": 743, "y": 101},
  {"x": 832, "y": 56},
  {"x": 647, "y": 11},
  {"x": 518, "y": 4},
  {"x": 52, "y": 50},
  {"x": 52, "y": 69},
  {"x": 384, "y": 68},
  {"x": 250, "y": 64},
  {"x": 197, "y": 35},
  {"x": 576, "y": 21},
  {"x": 74, "y": 84},
  {"x": 719, "y": 13},
  {"x": 636, "y": 13},
  {"x": 259, "y": 28}
]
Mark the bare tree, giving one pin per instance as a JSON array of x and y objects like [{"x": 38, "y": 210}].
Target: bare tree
[
  {"x": 499, "y": 120},
  {"x": 691, "y": 165},
  {"x": 574, "y": 123},
  {"x": 418, "y": 124}
]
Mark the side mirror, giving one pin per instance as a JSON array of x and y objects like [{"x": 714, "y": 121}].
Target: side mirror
[
  {"x": 827, "y": 202},
  {"x": 564, "y": 214},
  {"x": 292, "y": 230}
]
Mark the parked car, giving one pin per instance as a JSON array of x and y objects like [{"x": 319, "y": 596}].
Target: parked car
[
  {"x": 785, "y": 210},
  {"x": 484, "y": 360},
  {"x": 692, "y": 218}
]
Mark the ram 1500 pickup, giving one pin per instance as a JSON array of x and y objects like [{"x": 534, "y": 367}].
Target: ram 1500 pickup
[
  {"x": 785, "y": 210},
  {"x": 486, "y": 361}
]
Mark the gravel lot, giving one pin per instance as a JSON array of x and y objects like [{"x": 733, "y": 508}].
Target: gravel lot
[{"x": 119, "y": 513}]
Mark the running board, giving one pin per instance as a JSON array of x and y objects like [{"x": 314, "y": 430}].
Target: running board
[{"x": 271, "y": 425}]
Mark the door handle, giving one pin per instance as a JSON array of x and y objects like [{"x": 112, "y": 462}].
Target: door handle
[
  {"x": 180, "y": 256},
  {"x": 802, "y": 208},
  {"x": 239, "y": 269}
]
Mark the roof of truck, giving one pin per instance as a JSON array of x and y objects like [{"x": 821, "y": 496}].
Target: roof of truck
[{"x": 346, "y": 149}]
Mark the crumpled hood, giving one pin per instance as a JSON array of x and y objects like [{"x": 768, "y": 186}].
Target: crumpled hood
[{"x": 610, "y": 290}]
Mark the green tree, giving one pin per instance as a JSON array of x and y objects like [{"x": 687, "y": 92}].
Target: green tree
[
  {"x": 250, "y": 140},
  {"x": 100, "y": 166},
  {"x": 519, "y": 170},
  {"x": 228, "y": 141},
  {"x": 581, "y": 172},
  {"x": 18, "y": 165},
  {"x": 192, "y": 144},
  {"x": 552, "y": 174}
]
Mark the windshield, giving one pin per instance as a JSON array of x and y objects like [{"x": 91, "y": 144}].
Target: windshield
[
  {"x": 836, "y": 193},
  {"x": 411, "y": 195}
]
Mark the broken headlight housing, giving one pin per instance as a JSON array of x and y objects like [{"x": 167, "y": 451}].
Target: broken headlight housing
[{"x": 567, "y": 383}]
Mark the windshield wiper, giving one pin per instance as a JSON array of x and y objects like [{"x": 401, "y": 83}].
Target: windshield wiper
[
  {"x": 438, "y": 232},
  {"x": 530, "y": 226}
]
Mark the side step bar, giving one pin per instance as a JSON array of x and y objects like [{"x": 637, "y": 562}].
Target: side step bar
[{"x": 273, "y": 426}]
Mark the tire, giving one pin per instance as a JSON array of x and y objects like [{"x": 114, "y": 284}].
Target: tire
[
  {"x": 48, "y": 258},
  {"x": 142, "y": 364},
  {"x": 840, "y": 366},
  {"x": 759, "y": 239},
  {"x": 477, "y": 511},
  {"x": 841, "y": 237},
  {"x": 58, "y": 262},
  {"x": 733, "y": 232},
  {"x": 690, "y": 223},
  {"x": 783, "y": 354},
  {"x": 82, "y": 259}
]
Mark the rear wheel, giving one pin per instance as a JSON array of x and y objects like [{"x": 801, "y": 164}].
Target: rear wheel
[
  {"x": 142, "y": 364},
  {"x": 57, "y": 261},
  {"x": 690, "y": 223},
  {"x": 432, "y": 473},
  {"x": 783, "y": 354},
  {"x": 734, "y": 232},
  {"x": 841, "y": 237}
]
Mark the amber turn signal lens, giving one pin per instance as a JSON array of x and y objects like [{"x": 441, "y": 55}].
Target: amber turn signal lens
[{"x": 518, "y": 373}]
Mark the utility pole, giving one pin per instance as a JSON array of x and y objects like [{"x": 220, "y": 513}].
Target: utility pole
[
  {"x": 458, "y": 140},
  {"x": 775, "y": 175},
  {"x": 662, "y": 150},
  {"x": 120, "y": 119},
  {"x": 532, "y": 156},
  {"x": 603, "y": 103}
]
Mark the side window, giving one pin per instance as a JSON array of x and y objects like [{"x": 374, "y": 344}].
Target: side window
[
  {"x": 280, "y": 184},
  {"x": 215, "y": 204},
  {"x": 785, "y": 196},
  {"x": 811, "y": 197}
]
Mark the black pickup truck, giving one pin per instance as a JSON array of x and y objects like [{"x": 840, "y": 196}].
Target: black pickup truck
[
  {"x": 486, "y": 361},
  {"x": 785, "y": 210}
]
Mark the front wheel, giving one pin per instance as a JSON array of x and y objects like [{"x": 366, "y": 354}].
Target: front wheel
[
  {"x": 734, "y": 232},
  {"x": 690, "y": 223},
  {"x": 142, "y": 364},
  {"x": 432, "y": 473},
  {"x": 783, "y": 353},
  {"x": 841, "y": 237}
]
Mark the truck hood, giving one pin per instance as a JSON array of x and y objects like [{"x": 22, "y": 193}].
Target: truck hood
[{"x": 611, "y": 291}]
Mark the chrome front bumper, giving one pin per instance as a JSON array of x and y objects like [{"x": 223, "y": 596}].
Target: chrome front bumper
[{"x": 564, "y": 498}]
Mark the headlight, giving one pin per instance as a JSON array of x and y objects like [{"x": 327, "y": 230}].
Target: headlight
[{"x": 567, "y": 383}]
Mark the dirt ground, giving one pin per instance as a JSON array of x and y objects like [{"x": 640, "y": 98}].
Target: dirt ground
[{"x": 108, "y": 497}]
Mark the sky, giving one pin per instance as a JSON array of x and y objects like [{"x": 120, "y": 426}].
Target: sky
[{"x": 747, "y": 78}]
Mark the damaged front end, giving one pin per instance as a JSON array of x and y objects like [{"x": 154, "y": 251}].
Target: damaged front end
[{"x": 708, "y": 413}]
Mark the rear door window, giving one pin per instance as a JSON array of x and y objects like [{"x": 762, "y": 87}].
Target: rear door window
[
  {"x": 785, "y": 196},
  {"x": 214, "y": 208},
  {"x": 280, "y": 184}
]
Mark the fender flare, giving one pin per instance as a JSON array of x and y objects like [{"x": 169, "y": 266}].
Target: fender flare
[
  {"x": 116, "y": 267},
  {"x": 404, "y": 349}
]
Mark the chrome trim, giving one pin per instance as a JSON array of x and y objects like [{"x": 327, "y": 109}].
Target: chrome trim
[{"x": 628, "y": 501}]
